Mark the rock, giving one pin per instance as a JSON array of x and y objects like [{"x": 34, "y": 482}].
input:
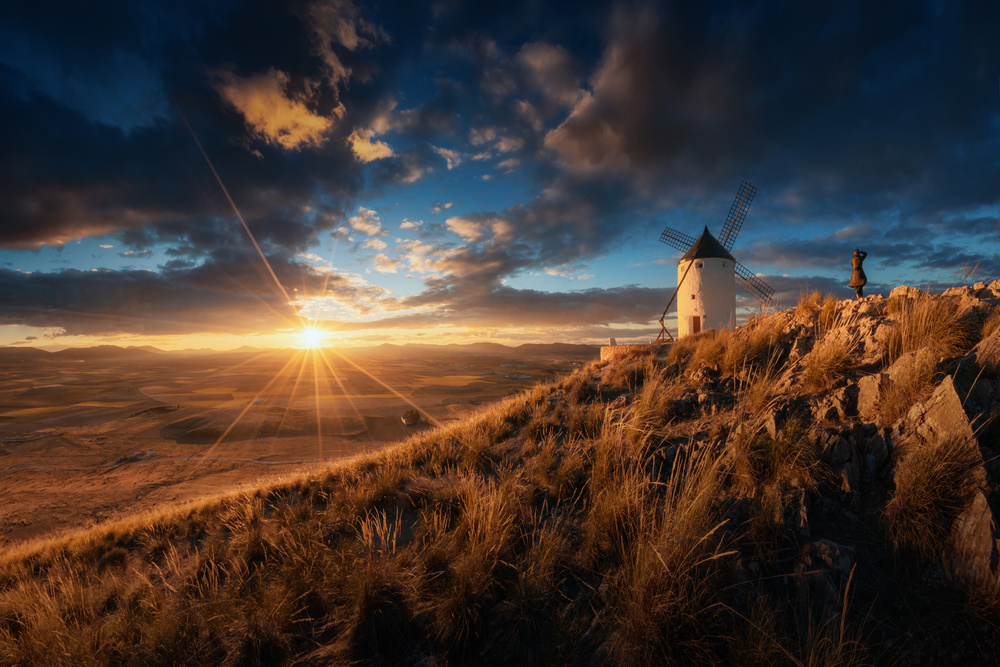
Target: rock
[
  {"x": 800, "y": 348},
  {"x": 973, "y": 552},
  {"x": 869, "y": 396},
  {"x": 911, "y": 365},
  {"x": 975, "y": 556},
  {"x": 930, "y": 422},
  {"x": 973, "y": 383},
  {"x": 850, "y": 483},
  {"x": 906, "y": 292},
  {"x": 837, "y": 557},
  {"x": 987, "y": 351},
  {"x": 875, "y": 450},
  {"x": 845, "y": 400}
]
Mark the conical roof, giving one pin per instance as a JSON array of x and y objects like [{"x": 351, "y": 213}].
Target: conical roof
[{"x": 706, "y": 246}]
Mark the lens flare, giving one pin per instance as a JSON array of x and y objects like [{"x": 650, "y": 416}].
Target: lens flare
[{"x": 311, "y": 338}]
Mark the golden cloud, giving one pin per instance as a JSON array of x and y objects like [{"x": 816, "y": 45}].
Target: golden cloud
[
  {"x": 265, "y": 104},
  {"x": 367, "y": 150}
]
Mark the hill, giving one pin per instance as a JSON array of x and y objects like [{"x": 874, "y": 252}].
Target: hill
[{"x": 818, "y": 487}]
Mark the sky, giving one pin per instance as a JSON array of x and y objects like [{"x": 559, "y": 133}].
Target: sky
[{"x": 217, "y": 174}]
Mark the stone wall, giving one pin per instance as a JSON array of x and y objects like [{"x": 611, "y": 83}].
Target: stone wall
[{"x": 609, "y": 352}]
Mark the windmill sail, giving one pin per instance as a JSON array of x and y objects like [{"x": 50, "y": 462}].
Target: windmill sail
[
  {"x": 753, "y": 285},
  {"x": 676, "y": 239},
  {"x": 737, "y": 214}
]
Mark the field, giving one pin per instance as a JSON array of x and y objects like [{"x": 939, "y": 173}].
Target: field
[{"x": 92, "y": 435}]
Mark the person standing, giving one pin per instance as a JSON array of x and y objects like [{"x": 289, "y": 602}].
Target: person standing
[{"x": 858, "y": 277}]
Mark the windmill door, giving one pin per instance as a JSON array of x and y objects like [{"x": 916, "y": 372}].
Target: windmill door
[{"x": 695, "y": 324}]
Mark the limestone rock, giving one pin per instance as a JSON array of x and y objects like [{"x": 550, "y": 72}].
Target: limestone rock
[
  {"x": 940, "y": 416},
  {"x": 975, "y": 558},
  {"x": 973, "y": 554},
  {"x": 869, "y": 396},
  {"x": 906, "y": 292}
]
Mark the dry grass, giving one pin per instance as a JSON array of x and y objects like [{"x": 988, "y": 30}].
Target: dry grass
[
  {"x": 808, "y": 306},
  {"x": 752, "y": 346},
  {"x": 830, "y": 360},
  {"x": 909, "y": 385},
  {"x": 662, "y": 604},
  {"x": 933, "y": 486},
  {"x": 990, "y": 325},
  {"x": 928, "y": 322}
]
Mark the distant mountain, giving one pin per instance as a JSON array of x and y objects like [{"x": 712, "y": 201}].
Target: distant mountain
[
  {"x": 10, "y": 354},
  {"x": 105, "y": 353},
  {"x": 428, "y": 351},
  {"x": 147, "y": 348}
]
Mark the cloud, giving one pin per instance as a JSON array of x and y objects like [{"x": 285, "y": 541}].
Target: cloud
[
  {"x": 509, "y": 164},
  {"x": 340, "y": 23},
  {"x": 366, "y": 149},
  {"x": 411, "y": 224},
  {"x": 452, "y": 158},
  {"x": 552, "y": 71},
  {"x": 274, "y": 115},
  {"x": 106, "y": 246},
  {"x": 383, "y": 264},
  {"x": 374, "y": 244},
  {"x": 367, "y": 222},
  {"x": 468, "y": 230},
  {"x": 443, "y": 206},
  {"x": 483, "y": 135},
  {"x": 509, "y": 144}
]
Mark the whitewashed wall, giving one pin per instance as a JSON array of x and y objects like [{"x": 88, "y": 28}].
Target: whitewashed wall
[{"x": 708, "y": 292}]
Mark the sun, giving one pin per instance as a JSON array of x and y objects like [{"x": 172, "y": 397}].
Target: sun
[{"x": 311, "y": 337}]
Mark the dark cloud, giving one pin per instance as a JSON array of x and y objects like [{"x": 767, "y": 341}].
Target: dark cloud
[
  {"x": 231, "y": 291},
  {"x": 507, "y": 307},
  {"x": 878, "y": 120}
]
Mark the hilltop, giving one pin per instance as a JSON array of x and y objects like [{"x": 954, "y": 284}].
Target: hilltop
[{"x": 817, "y": 487}]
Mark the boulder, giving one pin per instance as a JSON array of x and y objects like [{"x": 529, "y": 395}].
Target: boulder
[
  {"x": 906, "y": 292},
  {"x": 975, "y": 557},
  {"x": 940, "y": 416},
  {"x": 869, "y": 396},
  {"x": 973, "y": 553}
]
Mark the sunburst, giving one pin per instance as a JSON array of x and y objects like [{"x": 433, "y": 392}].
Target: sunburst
[{"x": 311, "y": 338}]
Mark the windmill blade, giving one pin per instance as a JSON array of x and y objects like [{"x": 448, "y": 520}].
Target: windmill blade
[
  {"x": 753, "y": 285},
  {"x": 737, "y": 214},
  {"x": 676, "y": 239}
]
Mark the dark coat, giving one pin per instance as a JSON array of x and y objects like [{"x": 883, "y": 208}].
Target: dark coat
[{"x": 858, "y": 277}]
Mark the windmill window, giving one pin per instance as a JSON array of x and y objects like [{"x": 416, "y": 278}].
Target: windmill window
[
  {"x": 723, "y": 263},
  {"x": 698, "y": 265},
  {"x": 692, "y": 296}
]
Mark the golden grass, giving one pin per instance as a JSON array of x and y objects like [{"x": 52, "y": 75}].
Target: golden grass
[
  {"x": 830, "y": 360},
  {"x": 933, "y": 486},
  {"x": 928, "y": 322},
  {"x": 908, "y": 386}
]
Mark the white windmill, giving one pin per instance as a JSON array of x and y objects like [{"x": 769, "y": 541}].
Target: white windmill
[{"x": 707, "y": 275}]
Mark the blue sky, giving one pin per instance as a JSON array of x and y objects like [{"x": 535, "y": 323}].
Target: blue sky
[{"x": 446, "y": 172}]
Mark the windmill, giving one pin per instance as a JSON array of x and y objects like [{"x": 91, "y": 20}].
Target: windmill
[{"x": 706, "y": 298}]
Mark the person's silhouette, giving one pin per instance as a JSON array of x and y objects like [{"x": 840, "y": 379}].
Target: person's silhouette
[{"x": 858, "y": 277}]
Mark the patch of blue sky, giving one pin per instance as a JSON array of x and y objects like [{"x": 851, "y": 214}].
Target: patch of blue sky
[{"x": 82, "y": 254}]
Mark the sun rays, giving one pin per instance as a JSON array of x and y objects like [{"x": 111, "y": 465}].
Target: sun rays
[{"x": 311, "y": 338}]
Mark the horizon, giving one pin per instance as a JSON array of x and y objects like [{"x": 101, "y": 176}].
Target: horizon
[
  {"x": 349, "y": 174},
  {"x": 281, "y": 349}
]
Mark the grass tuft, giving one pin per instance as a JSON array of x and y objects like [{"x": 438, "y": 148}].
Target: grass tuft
[{"x": 934, "y": 485}]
